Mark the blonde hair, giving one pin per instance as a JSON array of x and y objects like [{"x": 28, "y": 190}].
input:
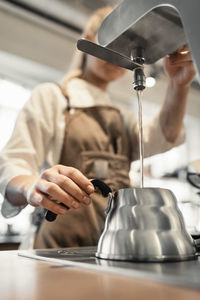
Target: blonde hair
[{"x": 79, "y": 59}]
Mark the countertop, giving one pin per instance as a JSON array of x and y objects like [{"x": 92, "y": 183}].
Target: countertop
[{"x": 28, "y": 278}]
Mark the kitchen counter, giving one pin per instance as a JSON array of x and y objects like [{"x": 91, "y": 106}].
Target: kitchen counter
[{"x": 26, "y": 278}]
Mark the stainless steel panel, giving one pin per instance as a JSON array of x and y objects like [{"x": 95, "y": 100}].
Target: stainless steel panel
[
  {"x": 159, "y": 26},
  {"x": 185, "y": 273}
]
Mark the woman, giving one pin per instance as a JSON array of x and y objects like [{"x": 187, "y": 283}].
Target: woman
[{"x": 67, "y": 135}]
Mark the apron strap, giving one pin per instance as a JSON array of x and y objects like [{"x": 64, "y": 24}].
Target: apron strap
[{"x": 66, "y": 96}]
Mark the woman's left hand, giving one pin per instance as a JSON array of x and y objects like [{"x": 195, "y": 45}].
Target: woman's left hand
[{"x": 179, "y": 67}]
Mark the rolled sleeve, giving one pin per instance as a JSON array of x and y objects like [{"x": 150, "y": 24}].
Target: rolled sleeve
[
  {"x": 154, "y": 140},
  {"x": 7, "y": 209},
  {"x": 36, "y": 140}
]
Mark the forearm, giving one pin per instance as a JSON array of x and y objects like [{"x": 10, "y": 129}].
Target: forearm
[
  {"x": 173, "y": 110},
  {"x": 17, "y": 188}
]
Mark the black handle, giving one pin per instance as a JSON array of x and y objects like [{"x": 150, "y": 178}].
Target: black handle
[
  {"x": 194, "y": 179},
  {"x": 197, "y": 245},
  {"x": 51, "y": 216},
  {"x": 102, "y": 186}
]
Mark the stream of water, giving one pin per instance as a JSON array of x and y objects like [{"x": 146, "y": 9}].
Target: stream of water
[{"x": 141, "y": 146}]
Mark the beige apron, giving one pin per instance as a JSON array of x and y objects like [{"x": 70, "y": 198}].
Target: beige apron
[{"x": 96, "y": 143}]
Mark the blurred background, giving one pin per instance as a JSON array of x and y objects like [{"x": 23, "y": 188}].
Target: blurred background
[{"x": 37, "y": 42}]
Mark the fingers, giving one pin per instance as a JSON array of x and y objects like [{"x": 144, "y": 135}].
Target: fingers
[
  {"x": 69, "y": 187},
  {"x": 182, "y": 50},
  {"x": 54, "y": 192},
  {"x": 39, "y": 199},
  {"x": 187, "y": 64},
  {"x": 61, "y": 184},
  {"x": 180, "y": 58},
  {"x": 77, "y": 177},
  {"x": 181, "y": 64},
  {"x": 181, "y": 55}
]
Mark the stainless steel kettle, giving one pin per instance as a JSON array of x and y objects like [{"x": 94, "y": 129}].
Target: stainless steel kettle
[{"x": 145, "y": 224}]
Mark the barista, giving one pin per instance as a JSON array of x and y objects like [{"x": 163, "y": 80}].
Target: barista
[{"x": 68, "y": 134}]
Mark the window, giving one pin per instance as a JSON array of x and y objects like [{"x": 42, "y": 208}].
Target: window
[{"x": 12, "y": 98}]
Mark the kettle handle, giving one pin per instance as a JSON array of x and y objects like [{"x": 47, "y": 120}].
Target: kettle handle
[
  {"x": 102, "y": 186},
  {"x": 197, "y": 245}
]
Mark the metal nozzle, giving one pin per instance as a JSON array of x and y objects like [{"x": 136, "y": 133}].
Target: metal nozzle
[{"x": 139, "y": 81}]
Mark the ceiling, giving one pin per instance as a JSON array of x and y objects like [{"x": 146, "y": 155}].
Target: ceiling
[{"x": 71, "y": 12}]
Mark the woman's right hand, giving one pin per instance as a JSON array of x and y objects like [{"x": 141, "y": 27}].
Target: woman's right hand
[{"x": 59, "y": 184}]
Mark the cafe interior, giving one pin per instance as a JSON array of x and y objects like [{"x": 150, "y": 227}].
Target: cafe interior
[{"x": 38, "y": 40}]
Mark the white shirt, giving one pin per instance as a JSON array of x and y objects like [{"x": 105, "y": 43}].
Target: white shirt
[{"x": 37, "y": 139}]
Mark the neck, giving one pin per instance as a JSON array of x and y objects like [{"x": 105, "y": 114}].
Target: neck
[{"x": 95, "y": 80}]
